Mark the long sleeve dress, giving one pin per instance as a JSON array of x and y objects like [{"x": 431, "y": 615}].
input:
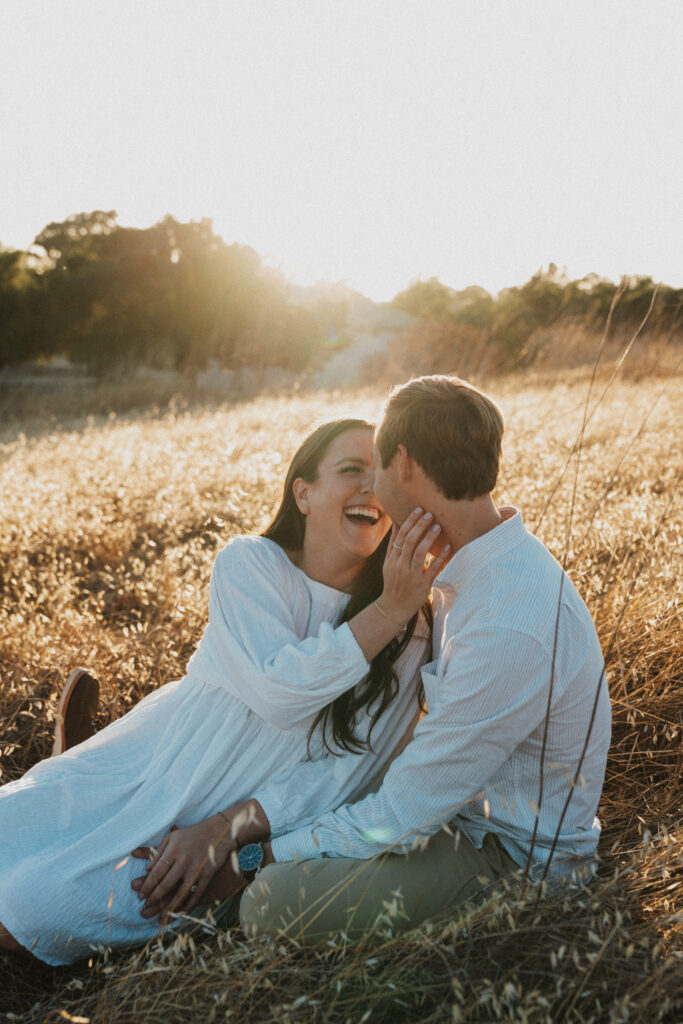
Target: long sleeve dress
[{"x": 269, "y": 659}]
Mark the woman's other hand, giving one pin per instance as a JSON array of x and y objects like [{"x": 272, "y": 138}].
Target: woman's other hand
[
  {"x": 183, "y": 866},
  {"x": 201, "y": 855}
]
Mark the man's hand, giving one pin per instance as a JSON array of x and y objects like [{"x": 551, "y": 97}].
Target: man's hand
[{"x": 183, "y": 866}]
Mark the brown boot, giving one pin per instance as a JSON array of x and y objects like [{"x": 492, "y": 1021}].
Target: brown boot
[{"x": 75, "y": 717}]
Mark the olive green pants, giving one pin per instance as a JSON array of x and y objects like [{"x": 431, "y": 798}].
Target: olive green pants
[{"x": 313, "y": 899}]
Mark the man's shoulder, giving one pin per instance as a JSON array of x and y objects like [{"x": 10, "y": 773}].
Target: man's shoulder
[{"x": 520, "y": 592}]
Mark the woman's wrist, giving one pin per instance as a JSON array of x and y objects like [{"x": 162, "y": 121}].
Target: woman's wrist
[
  {"x": 390, "y": 615},
  {"x": 399, "y": 612},
  {"x": 223, "y": 828},
  {"x": 373, "y": 629}
]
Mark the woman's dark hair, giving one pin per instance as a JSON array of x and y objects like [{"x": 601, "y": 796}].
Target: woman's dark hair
[{"x": 380, "y": 685}]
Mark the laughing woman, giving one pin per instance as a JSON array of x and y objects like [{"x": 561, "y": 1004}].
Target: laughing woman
[{"x": 313, "y": 647}]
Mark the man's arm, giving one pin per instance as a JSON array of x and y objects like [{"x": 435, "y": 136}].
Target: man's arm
[
  {"x": 304, "y": 791},
  {"x": 492, "y": 696},
  {"x": 320, "y": 784}
]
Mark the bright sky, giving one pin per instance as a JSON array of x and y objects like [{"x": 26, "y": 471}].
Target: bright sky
[{"x": 369, "y": 141}]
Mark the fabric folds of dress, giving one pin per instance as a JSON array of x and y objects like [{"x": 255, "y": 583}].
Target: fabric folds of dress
[{"x": 269, "y": 659}]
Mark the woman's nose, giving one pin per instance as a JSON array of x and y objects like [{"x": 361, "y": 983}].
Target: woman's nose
[{"x": 368, "y": 481}]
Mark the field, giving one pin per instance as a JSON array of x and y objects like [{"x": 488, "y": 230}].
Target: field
[{"x": 109, "y": 529}]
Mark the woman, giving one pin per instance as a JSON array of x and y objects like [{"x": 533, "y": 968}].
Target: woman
[{"x": 296, "y": 616}]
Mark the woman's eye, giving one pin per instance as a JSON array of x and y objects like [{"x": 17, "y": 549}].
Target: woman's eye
[{"x": 351, "y": 469}]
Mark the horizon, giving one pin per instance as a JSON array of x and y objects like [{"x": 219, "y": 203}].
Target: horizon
[{"x": 344, "y": 285}]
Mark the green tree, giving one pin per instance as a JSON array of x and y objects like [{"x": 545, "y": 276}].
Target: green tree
[
  {"x": 171, "y": 296},
  {"x": 427, "y": 299},
  {"x": 18, "y": 292},
  {"x": 77, "y": 238}
]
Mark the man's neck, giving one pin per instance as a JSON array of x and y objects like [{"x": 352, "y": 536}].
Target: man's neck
[{"x": 463, "y": 521}]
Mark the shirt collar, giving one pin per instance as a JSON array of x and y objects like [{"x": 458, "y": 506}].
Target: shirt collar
[{"x": 472, "y": 557}]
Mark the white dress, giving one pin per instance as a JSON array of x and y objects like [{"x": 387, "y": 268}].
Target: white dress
[{"x": 269, "y": 659}]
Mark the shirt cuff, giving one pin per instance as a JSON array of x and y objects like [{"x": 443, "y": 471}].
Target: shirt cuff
[
  {"x": 272, "y": 808},
  {"x": 298, "y": 845}
]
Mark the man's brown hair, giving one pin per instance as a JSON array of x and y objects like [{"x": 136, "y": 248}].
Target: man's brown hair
[{"x": 451, "y": 429}]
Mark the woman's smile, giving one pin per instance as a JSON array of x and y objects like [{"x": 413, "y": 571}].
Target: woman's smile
[
  {"x": 363, "y": 515},
  {"x": 342, "y": 513}
]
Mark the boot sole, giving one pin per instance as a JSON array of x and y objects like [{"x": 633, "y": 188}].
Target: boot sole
[{"x": 59, "y": 744}]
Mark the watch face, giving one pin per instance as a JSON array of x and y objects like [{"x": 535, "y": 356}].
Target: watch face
[{"x": 250, "y": 856}]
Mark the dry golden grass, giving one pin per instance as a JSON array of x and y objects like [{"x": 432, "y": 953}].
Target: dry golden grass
[
  {"x": 109, "y": 529},
  {"x": 570, "y": 345}
]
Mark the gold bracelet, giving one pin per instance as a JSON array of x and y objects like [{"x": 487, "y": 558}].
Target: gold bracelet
[{"x": 386, "y": 615}]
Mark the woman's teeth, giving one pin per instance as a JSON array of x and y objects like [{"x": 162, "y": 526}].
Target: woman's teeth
[{"x": 362, "y": 514}]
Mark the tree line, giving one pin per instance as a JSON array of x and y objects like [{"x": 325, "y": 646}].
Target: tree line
[
  {"x": 171, "y": 296},
  {"x": 175, "y": 295},
  {"x": 514, "y": 324}
]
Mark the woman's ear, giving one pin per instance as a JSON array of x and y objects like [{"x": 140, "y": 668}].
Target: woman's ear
[{"x": 300, "y": 492}]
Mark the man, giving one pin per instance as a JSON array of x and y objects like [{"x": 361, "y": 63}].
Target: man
[{"x": 504, "y": 772}]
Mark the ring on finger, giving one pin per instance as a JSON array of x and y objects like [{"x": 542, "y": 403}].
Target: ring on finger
[
  {"x": 420, "y": 565},
  {"x": 166, "y": 861},
  {"x": 397, "y": 546}
]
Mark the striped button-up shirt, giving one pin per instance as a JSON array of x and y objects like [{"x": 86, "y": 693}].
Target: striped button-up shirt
[{"x": 508, "y": 745}]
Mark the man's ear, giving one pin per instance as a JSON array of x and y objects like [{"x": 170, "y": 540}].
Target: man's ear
[
  {"x": 300, "y": 492},
  {"x": 406, "y": 464}
]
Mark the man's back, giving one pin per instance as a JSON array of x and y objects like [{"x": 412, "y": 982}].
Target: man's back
[{"x": 519, "y": 664}]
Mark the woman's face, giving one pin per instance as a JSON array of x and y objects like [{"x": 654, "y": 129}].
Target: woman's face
[{"x": 340, "y": 507}]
